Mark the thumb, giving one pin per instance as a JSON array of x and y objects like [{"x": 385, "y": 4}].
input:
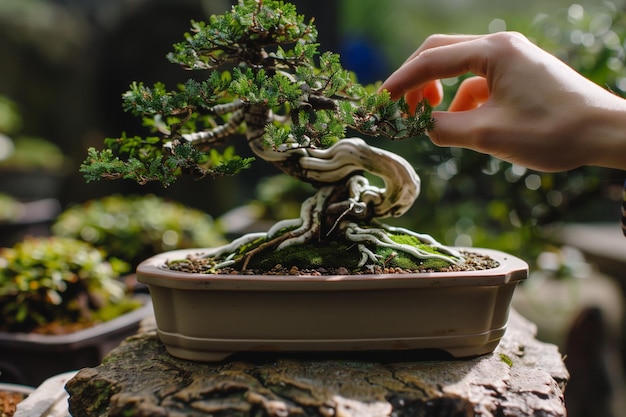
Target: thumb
[{"x": 456, "y": 128}]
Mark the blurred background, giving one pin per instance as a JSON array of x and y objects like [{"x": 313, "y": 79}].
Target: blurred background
[{"x": 65, "y": 63}]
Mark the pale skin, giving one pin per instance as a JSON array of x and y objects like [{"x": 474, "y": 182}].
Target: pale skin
[{"x": 523, "y": 105}]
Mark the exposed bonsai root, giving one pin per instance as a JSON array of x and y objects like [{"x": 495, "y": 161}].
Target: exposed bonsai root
[
  {"x": 267, "y": 244},
  {"x": 309, "y": 226},
  {"x": 283, "y": 234},
  {"x": 310, "y": 216},
  {"x": 226, "y": 254},
  {"x": 381, "y": 238},
  {"x": 367, "y": 254}
]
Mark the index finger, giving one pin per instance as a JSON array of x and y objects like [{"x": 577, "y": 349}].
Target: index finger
[
  {"x": 435, "y": 41},
  {"x": 441, "y": 56}
]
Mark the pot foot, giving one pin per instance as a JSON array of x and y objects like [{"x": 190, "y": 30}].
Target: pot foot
[
  {"x": 201, "y": 356},
  {"x": 471, "y": 351}
]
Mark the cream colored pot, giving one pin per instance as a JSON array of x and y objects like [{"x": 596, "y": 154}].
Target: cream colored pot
[{"x": 209, "y": 317}]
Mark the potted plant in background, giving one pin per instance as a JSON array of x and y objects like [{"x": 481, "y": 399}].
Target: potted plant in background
[
  {"x": 135, "y": 227},
  {"x": 62, "y": 307},
  {"x": 308, "y": 283}
]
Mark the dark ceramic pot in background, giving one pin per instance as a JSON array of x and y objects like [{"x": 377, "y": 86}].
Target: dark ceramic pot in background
[{"x": 29, "y": 359}]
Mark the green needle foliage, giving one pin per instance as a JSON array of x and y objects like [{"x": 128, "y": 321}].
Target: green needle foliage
[{"x": 261, "y": 53}]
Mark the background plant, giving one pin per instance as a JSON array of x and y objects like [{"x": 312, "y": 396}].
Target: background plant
[
  {"x": 57, "y": 284},
  {"x": 134, "y": 227},
  {"x": 10, "y": 209},
  {"x": 32, "y": 153}
]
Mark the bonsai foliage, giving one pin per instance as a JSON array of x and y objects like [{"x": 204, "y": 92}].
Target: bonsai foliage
[
  {"x": 263, "y": 78},
  {"x": 55, "y": 284}
]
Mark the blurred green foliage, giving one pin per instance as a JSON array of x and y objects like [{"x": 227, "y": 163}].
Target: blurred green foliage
[
  {"x": 134, "y": 227},
  {"x": 10, "y": 119},
  {"x": 590, "y": 39},
  {"x": 32, "y": 153},
  {"x": 23, "y": 152},
  {"x": 10, "y": 208},
  {"x": 59, "y": 281}
]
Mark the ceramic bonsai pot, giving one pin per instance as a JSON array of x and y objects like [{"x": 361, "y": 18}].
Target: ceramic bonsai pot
[
  {"x": 209, "y": 317},
  {"x": 29, "y": 358}
]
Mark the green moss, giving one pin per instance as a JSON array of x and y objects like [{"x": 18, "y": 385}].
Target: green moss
[
  {"x": 405, "y": 240},
  {"x": 504, "y": 358},
  {"x": 346, "y": 254},
  {"x": 309, "y": 256},
  {"x": 397, "y": 259},
  {"x": 413, "y": 241}
]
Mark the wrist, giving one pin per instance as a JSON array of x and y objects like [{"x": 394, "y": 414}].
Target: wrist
[{"x": 606, "y": 136}]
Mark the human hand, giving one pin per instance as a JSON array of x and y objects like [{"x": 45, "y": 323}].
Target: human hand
[{"x": 524, "y": 105}]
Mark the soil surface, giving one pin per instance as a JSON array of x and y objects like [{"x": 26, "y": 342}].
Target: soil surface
[
  {"x": 9, "y": 401},
  {"x": 197, "y": 264}
]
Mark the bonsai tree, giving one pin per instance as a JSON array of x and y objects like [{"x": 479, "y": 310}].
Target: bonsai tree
[{"x": 262, "y": 77}]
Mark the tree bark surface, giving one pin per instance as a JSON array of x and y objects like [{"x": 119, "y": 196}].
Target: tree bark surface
[{"x": 522, "y": 377}]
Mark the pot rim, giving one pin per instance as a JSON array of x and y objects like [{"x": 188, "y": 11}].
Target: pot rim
[
  {"x": 81, "y": 337},
  {"x": 152, "y": 272},
  {"x": 18, "y": 388}
]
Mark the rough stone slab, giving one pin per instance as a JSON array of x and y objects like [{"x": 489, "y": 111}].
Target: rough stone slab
[{"x": 523, "y": 377}]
